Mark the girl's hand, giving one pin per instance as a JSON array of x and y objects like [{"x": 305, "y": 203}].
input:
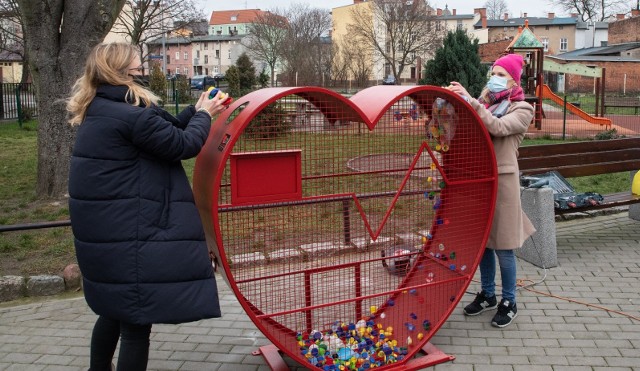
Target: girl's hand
[
  {"x": 214, "y": 105},
  {"x": 203, "y": 96}
]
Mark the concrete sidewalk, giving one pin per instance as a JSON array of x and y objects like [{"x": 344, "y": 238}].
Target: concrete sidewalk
[{"x": 556, "y": 328}]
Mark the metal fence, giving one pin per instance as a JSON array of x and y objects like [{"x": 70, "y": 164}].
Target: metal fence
[
  {"x": 560, "y": 120},
  {"x": 18, "y": 101}
]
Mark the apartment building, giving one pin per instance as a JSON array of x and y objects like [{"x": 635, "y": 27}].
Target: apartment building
[{"x": 557, "y": 34}]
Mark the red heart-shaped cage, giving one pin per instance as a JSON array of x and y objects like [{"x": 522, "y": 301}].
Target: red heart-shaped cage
[{"x": 348, "y": 229}]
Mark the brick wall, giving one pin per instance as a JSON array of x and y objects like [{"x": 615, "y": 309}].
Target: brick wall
[
  {"x": 489, "y": 52},
  {"x": 614, "y": 79},
  {"x": 623, "y": 31}
]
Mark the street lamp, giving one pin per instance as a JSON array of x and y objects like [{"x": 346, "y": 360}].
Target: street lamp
[{"x": 164, "y": 50}]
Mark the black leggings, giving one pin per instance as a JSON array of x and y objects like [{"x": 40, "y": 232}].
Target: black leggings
[{"x": 134, "y": 345}]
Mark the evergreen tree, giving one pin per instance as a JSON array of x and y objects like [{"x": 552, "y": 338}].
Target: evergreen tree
[
  {"x": 158, "y": 82},
  {"x": 457, "y": 60},
  {"x": 263, "y": 79},
  {"x": 241, "y": 77}
]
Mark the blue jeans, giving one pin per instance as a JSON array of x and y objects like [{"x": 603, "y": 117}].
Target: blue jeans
[
  {"x": 507, "y": 261},
  {"x": 134, "y": 345}
]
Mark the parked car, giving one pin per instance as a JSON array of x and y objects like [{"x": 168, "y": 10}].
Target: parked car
[
  {"x": 200, "y": 82},
  {"x": 218, "y": 76},
  {"x": 389, "y": 80}
]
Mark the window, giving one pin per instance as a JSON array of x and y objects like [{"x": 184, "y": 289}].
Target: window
[
  {"x": 229, "y": 53},
  {"x": 197, "y": 53},
  {"x": 206, "y": 59},
  {"x": 186, "y": 56},
  {"x": 185, "y": 70},
  {"x": 545, "y": 43},
  {"x": 168, "y": 59},
  {"x": 460, "y": 25},
  {"x": 218, "y": 54},
  {"x": 563, "y": 43},
  {"x": 177, "y": 55},
  {"x": 206, "y": 46}
]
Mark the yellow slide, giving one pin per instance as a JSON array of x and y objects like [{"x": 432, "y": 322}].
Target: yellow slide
[{"x": 546, "y": 93}]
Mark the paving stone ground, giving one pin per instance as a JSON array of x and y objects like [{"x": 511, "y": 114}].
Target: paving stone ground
[{"x": 582, "y": 315}]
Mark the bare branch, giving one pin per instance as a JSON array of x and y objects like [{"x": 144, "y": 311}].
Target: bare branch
[
  {"x": 593, "y": 10},
  {"x": 145, "y": 20},
  {"x": 496, "y": 8},
  {"x": 398, "y": 31},
  {"x": 265, "y": 39}
]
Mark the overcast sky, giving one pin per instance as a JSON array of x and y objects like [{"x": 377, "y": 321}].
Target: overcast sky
[{"x": 537, "y": 8}]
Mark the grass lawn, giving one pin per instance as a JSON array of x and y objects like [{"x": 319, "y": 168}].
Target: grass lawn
[{"x": 48, "y": 251}]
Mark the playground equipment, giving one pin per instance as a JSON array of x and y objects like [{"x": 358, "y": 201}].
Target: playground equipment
[
  {"x": 347, "y": 238},
  {"x": 536, "y": 90},
  {"x": 545, "y": 92}
]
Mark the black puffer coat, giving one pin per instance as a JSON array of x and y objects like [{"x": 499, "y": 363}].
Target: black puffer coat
[{"x": 138, "y": 235}]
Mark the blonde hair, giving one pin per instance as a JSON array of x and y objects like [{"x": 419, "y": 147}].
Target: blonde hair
[{"x": 108, "y": 63}]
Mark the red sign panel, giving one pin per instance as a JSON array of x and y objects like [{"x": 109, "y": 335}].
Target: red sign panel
[{"x": 265, "y": 177}]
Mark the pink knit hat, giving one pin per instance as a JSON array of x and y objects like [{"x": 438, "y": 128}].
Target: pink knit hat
[{"x": 513, "y": 64}]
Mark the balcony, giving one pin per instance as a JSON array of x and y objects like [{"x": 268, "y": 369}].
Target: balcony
[{"x": 196, "y": 61}]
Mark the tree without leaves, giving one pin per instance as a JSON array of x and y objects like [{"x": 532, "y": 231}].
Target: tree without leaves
[
  {"x": 457, "y": 60},
  {"x": 57, "y": 52},
  {"x": 353, "y": 61},
  {"x": 339, "y": 64},
  {"x": 496, "y": 8},
  {"x": 594, "y": 10},
  {"x": 149, "y": 19},
  {"x": 399, "y": 31},
  {"x": 304, "y": 54},
  {"x": 265, "y": 39}
]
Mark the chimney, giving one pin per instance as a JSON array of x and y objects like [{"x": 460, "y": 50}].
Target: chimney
[
  {"x": 453, "y": 12},
  {"x": 357, "y": 1},
  {"x": 619, "y": 16},
  {"x": 438, "y": 12},
  {"x": 482, "y": 12},
  {"x": 506, "y": 16},
  {"x": 574, "y": 15},
  {"x": 635, "y": 12},
  {"x": 551, "y": 15}
]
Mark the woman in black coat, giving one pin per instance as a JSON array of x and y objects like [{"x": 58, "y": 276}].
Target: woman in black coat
[{"x": 139, "y": 240}]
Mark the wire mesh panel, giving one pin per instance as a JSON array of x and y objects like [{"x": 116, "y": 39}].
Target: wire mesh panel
[{"x": 347, "y": 228}]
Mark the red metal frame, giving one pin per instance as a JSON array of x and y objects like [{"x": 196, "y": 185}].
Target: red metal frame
[{"x": 467, "y": 186}]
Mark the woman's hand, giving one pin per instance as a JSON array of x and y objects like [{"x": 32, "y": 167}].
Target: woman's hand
[
  {"x": 459, "y": 89},
  {"x": 214, "y": 105},
  {"x": 203, "y": 96}
]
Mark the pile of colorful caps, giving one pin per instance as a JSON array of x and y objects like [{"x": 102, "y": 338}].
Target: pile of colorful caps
[{"x": 353, "y": 346}]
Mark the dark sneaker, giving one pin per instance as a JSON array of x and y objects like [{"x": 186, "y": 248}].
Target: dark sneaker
[
  {"x": 507, "y": 312},
  {"x": 480, "y": 304}
]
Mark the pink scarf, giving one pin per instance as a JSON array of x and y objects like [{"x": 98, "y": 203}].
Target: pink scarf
[{"x": 514, "y": 94}]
